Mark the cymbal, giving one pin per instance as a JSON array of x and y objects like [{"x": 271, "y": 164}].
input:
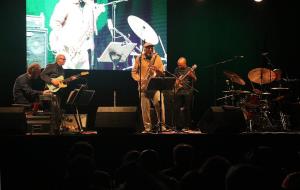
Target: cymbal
[
  {"x": 142, "y": 29},
  {"x": 266, "y": 93},
  {"x": 280, "y": 88},
  {"x": 261, "y": 75},
  {"x": 278, "y": 73},
  {"x": 234, "y": 77},
  {"x": 237, "y": 91}
]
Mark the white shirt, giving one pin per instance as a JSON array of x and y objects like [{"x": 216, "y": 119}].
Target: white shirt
[{"x": 73, "y": 30}]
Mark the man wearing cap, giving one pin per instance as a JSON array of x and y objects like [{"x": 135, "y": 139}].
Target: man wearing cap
[{"x": 148, "y": 66}]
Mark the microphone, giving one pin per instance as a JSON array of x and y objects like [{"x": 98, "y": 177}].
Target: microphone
[
  {"x": 265, "y": 53},
  {"x": 110, "y": 26},
  {"x": 238, "y": 56}
]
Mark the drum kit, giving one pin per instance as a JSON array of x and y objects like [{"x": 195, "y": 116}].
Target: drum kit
[{"x": 263, "y": 109}]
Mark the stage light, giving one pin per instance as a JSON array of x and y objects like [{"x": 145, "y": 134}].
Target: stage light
[{"x": 258, "y": 1}]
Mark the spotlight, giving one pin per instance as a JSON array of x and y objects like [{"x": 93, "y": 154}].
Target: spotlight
[{"x": 258, "y": 1}]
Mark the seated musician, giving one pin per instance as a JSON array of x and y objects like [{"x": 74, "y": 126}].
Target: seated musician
[{"x": 23, "y": 92}]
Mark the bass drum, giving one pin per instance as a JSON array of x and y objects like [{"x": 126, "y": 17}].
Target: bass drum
[{"x": 252, "y": 101}]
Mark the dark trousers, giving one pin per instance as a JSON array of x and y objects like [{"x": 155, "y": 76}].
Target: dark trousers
[{"x": 182, "y": 112}]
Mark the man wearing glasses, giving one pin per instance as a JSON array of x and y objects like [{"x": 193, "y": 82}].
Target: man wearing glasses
[
  {"x": 53, "y": 75},
  {"x": 53, "y": 71}
]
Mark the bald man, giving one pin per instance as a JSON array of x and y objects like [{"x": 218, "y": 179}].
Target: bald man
[
  {"x": 184, "y": 94},
  {"x": 54, "y": 70}
]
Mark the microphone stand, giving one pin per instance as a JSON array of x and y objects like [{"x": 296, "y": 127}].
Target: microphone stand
[
  {"x": 215, "y": 74},
  {"x": 114, "y": 6},
  {"x": 140, "y": 81},
  {"x": 270, "y": 64}
]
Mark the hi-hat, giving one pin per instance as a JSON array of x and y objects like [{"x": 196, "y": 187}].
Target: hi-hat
[
  {"x": 234, "y": 77},
  {"x": 142, "y": 29},
  {"x": 261, "y": 75},
  {"x": 280, "y": 88}
]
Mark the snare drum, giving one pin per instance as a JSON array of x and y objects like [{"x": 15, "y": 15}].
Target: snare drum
[{"x": 252, "y": 101}]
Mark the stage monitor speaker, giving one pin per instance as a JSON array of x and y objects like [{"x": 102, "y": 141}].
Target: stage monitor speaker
[
  {"x": 36, "y": 46},
  {"x": 116, "y": 119},
  {"x": 13, "y": 120},
  {"x": 222, "y": 120}
]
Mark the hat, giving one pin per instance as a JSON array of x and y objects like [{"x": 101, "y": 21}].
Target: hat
[{"x": 147, "y": 44}]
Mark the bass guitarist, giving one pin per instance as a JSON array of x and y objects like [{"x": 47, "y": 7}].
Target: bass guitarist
[{"x": 184, "y": 94}]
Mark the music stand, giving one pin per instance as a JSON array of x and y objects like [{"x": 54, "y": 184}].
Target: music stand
[
  {"x": 116, "y": 52},
  {"x": 80, "y": 97},
  {"x": 161, "y": 83}
]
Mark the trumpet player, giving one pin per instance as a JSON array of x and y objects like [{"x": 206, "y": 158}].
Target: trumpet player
[{"x": 147, "y": 66}]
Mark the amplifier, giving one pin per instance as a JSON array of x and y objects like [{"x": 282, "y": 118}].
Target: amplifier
[
  {"x": 36, "y": 46},
  {"x": 35, "y": 21}
]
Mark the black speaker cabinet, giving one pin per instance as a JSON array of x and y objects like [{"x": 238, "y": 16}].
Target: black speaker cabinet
[
  {"x": 13, "y": 120},
  {"x": 116, "y": 119},
  {"x": 222, "y": 120},
  {"x": 36, "y": 46}
]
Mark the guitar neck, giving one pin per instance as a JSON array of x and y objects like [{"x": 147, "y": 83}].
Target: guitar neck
[
  {"x": 187, "y": 73},
  {"x": 70, "y": 78}
]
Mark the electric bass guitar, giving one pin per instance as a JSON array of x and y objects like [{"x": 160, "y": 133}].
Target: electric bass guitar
[
  {"x": 63, "y": 82},
  {"x": 178, "y": 84}
]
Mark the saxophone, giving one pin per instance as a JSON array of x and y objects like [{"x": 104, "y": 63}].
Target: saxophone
[
  {"x": 70, "y": 51},
  {"x": 149, "y": 75}
]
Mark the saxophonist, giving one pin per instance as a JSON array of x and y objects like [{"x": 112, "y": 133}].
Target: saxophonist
[
  {"x": 73, "y": 28},
  {"x": 147, "y": 66}
]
